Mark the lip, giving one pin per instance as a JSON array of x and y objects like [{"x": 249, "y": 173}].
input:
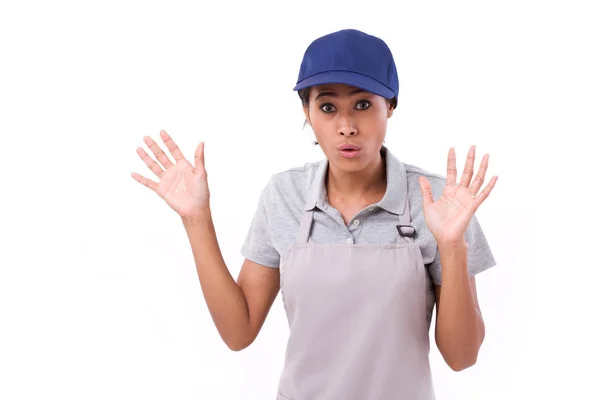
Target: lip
[
  {"x": 347, "y": 146},
  {"x": 349, "y": 150}
]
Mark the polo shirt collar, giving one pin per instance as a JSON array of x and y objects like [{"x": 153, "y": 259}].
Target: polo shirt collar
[{"x": 395, "y": 192}]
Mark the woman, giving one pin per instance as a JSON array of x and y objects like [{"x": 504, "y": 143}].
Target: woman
[{"x": 358, "y": 243}]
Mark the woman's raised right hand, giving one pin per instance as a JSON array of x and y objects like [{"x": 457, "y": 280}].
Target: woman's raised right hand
[{"x": 182, "y": 185}]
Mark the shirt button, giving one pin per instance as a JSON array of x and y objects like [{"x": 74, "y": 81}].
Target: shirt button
[
  {"x": 356, "y": 222},
  {"x": 349, "y": 240},
  {"x": 371, "y": 208}
]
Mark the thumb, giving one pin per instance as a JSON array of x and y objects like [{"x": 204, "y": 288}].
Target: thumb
[
  {"x": 426, "y": 191},
  {"x": 199, "y": 156}
]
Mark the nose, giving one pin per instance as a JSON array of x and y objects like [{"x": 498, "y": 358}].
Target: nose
[
  {"x": 347, "y": 127},
  {"x": 347, "y": 132}
]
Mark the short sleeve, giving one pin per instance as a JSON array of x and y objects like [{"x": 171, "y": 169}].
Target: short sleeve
[
  {"x": 479, "y": 255},
  {"x": 258, "y": 246}
]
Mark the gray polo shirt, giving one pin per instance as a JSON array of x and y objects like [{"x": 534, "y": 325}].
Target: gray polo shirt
[{"x": 288, "y": 193}]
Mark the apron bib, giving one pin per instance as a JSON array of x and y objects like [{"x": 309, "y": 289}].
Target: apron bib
[{"x": 358, "y": 320}]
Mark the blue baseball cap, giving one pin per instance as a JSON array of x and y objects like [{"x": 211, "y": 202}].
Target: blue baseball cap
[{"x": 351, "y": 57}]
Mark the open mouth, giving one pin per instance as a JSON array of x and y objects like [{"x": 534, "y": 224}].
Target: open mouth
[{"x": 349, "y": 151}]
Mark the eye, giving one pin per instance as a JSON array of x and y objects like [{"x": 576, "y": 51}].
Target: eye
[
  {"x": 363, "y": 105},
  {"x": 327, "y": 108}
]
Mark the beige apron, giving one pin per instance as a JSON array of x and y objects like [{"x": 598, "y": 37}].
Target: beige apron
[{"x": 358, "y": 320}]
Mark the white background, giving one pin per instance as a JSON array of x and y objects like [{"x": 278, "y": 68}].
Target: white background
[{"x": 99, "y": 297}]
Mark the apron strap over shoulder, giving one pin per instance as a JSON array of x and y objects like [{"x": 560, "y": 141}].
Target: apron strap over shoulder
[
  {"x": 406, "y": 232},
  {"x": 305, "y": 225}
]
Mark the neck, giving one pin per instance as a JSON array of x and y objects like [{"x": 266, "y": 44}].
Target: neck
[{"x": 354, "y": 185}]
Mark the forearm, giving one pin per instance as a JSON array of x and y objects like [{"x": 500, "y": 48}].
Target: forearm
[
  {"x": 224, "y": 298},
  {"x": 459, "y": 328}
]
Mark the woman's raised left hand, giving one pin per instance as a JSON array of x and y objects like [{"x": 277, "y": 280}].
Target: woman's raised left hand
[{"x": 448, "y": 218}]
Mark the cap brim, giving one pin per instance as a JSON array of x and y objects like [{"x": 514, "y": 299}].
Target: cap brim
[{"x": 349, "y": 78}]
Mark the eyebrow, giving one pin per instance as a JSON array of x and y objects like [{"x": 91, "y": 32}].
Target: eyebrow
[{"x": 334, "y": 94}]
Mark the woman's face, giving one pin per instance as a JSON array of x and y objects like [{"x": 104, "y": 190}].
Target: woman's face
[{"x": 344, "y": 115}]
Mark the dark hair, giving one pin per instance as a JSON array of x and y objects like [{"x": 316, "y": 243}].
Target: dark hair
[{"x": 304, "y": 95}]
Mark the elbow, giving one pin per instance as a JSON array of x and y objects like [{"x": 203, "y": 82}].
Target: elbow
[
  {"x": 462, "y": 364},
  {"x": 459, "y": 360},
  {"x": 460, "y": 356},
  {"x": 236, "y": 347},
  {"x": 237, "y": 338},
  {"x": 238, "y": 344}
]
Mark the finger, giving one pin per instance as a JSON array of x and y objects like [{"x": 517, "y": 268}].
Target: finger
[
  {"x": 451, "y": 169},
  {"x": 480, "y": 177},
  {"x": 199, "y": 156},
  {"x": 467, "y": 174},
  {"x": 485, "y": 192},
  {"x": 158, "y": 152},
  {"x": 145, "y": 181},
  {"x": 173, "y": 148},
  {"x": 153, "y": 165},
  {"x": 426, "y": 191}
]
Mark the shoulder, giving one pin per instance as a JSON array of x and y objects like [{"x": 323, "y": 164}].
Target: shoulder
[
  {"x": 291, "y": 180},
  {"x": 301, "y": 175},
  {"x": 291, "y": 184}
]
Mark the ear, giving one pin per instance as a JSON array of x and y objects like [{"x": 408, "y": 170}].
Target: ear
[
  {"x": 390, "y": 110},
  {"x": 306, "y": 115}
]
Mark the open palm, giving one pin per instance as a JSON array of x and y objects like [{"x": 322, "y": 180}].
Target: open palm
[
  {"x": 182, "y": 185},
  {"x": 448, "y": 218}
]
